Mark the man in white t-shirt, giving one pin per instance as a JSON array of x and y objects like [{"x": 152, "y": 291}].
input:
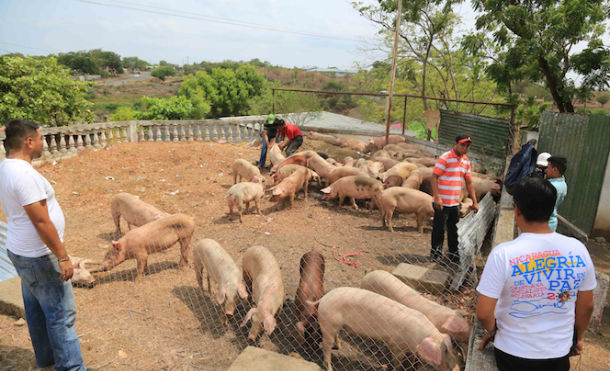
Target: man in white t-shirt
[
  {"x": 535, "y": 294},
  {"x": 35, "y": 246}
]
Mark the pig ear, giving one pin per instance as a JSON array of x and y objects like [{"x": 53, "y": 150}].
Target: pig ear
[
  {"x": 241, "y": 290},
  {"x": 429, "y": 351},
  {"x": 455, "y": 324},
  {"x": 248, "y": 316},
  {"x": 116, "y": 244},
  {"x": 269, "y": 324},
  {"x": 277, "y": 192},
  {"x": 447, "y": 342},
  {"x": 220, "y": 296},
  {"x": 325, "y": 190}
]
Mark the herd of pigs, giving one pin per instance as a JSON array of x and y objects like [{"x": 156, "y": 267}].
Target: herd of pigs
[{"x": 396, "y": 177}]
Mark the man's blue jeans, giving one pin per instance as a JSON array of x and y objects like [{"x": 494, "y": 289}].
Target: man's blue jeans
[
  {"x": 263, "y": 159},
  {"x": 50, "y": 311}
]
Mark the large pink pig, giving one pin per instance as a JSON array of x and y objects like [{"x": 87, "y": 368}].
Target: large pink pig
[
  {"x": 290, "y": 185},
  {"x": 150, "y": 238},
  {"x": 355, "y": 187},
  {"x": 343, "y": 171},
  {"x": 264, "y": 280},
  {"x": 220, "y": 267},
  {"x": 446, "y": 320},
  {"x": 133, "y": 210},
  {"x": 405, "y": 200},
  {"x": 320, "y": 165},
  {"x": 311, "y": 288},
  {"x": 370, "y": 315}
]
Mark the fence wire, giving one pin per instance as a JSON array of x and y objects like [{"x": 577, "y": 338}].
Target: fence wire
[{"x": 197, "y": 302}]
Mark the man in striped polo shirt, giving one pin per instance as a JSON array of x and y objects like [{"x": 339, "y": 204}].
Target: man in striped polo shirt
[{"x": 449, "y": 170}]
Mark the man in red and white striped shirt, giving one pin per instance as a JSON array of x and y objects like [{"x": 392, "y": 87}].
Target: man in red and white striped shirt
[{"x": 449, "y": 170}]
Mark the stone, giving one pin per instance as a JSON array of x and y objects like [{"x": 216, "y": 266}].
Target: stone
[
  {"x": 257, "y": 359},
  {"x": 20, "y": 322},
  {"x": 11, "y": 300},
  {"x": 425, "y": 279}
]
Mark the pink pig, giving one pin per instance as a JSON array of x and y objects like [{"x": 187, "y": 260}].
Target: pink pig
[
  {"x": 150, "y": 238},
  {"x": 220, "y": 267},
  {"x": 264, "y": 280},
  {"x": 370, "y": 315},
  {"x": 446, "y": 320},
  {"x": 133, "y": 210}
]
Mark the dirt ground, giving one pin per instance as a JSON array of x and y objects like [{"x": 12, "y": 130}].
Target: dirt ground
[{"x": 167, "y": 322}]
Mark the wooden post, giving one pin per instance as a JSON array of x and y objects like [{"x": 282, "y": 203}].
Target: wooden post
[
  {"x": 389, "y": 105},
  {"x": 404, "y": 117}
]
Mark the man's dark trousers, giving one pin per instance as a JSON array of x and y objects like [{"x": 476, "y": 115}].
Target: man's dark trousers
[{"x": 448, "y": 215}]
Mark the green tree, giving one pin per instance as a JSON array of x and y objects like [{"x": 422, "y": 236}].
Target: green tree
[
  {"x": 603, "y": 98},
  {"x": 173, "y": 108},
  {"x": 163, "y": 72},
  {"x": 537, "y": 36},
  {"x": 40, "y": 90},
  {"x": 425, "y": 33},
  {"x": 227, "y": 92},
  {"x": 134, "y": 63}
]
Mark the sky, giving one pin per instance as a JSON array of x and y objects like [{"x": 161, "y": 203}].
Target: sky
[{"x": 293, "y": 33}]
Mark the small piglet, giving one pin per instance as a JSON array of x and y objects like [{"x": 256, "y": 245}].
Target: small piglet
[
  {"x": 244, "y": 170},
  {"x": 446, "y": 320},
  {"x": 405, "y": 200},
  {"x": 133, "y": 210},
  {"x": 264, "y": 280},
  {"x": 244, "y": 193},
  {"x": 370, "y": 315},
  {"x": 150, "y": 238},
  {"x": 354, "y": 186},
  {"x": 220, "y": 267},
  {"x": 311, "y": 288},
  {"x": 82, "y": 276}
]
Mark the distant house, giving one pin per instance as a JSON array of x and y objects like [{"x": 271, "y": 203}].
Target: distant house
[{"x": 330, "y": 70}]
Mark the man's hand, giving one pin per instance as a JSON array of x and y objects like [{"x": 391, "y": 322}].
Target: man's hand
[
  {"x": 486, "y": 339},
  {"x": 438, "y": 203},
  {"x": 577, "y": 349},
  {"x": 475, "y": 207},
  {"x": 67, "y": 270}
]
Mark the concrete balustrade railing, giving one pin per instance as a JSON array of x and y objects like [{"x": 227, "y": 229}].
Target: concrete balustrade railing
[{"x": 65, "y": 141}]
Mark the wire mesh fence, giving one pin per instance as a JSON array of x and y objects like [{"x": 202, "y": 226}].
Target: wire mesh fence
[{"x": 182, "y": 286}]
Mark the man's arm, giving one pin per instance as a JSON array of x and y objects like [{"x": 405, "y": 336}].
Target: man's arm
[
  {"x": 486, "y": 314},
  {"x": 584, "y": 309},
  {"x": 472, "y": 193},
  {"x": 438, "y": 203},
  {"x": 39, "y": 216}
]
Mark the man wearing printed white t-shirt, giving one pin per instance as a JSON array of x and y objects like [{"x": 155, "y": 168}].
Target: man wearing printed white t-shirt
[
  {"x": 535, "y": 294},
  {"x": 35, "y": 246}
]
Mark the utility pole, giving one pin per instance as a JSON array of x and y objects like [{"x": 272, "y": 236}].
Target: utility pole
[{"x": 394, "y": 52}]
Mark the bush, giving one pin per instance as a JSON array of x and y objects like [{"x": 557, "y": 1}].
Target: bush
[
  {"x": 124, "y": 113},
  {"x": 163, "y": 72},
  {"x": 603, "y": 98},
  {"x": 174, "y": 108}
]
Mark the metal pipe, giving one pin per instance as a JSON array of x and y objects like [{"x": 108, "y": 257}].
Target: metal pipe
[{"x": 396, "y": 95}]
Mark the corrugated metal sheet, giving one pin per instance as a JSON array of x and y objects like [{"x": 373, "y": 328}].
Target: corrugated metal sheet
[
  {"x": 585, "y": 142},
  {"x": 6, "y": 267},
  {"x": 490, "y": 136}
]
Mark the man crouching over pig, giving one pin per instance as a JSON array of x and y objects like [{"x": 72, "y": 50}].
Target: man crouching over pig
[{"x": 150, "y": 238}]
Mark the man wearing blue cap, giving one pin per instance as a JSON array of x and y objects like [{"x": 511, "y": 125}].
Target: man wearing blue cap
[{"x": 268, "y": 137}]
